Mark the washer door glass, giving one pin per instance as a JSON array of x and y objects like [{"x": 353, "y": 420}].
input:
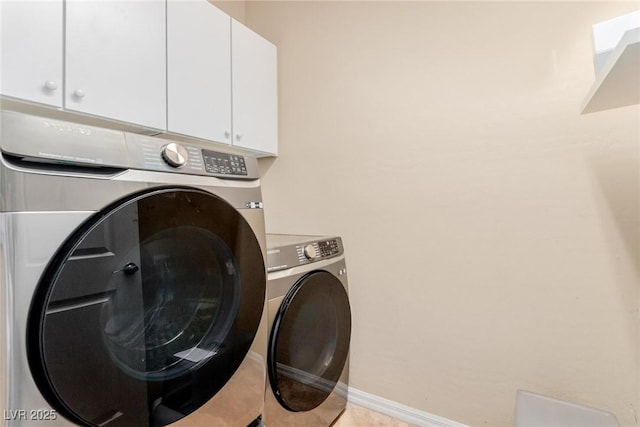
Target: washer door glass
[
  {"x": 147, "y": 310},
  {"x": 309, "y": 343}
]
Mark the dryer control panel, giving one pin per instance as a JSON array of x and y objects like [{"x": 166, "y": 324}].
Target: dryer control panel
[{"x": 288, "y": 251}]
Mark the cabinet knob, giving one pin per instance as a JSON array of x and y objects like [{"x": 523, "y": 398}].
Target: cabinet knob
[
  {"x": 238, "y": 136},
  {"x": 78, "y": 93},
  {"x": 227, "y": 133},
  {"x": 50, "y": 85}
]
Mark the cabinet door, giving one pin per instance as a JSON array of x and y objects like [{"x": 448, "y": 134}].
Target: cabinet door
[
  {"x": 198, "y": 70},
  {"x": 255, "y": 90},
  {"x": 31, "y": 54},
  {"x": 116, "y": 60}
]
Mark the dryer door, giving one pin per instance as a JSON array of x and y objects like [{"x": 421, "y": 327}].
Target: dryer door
[
  {"x": 147, "y": 310},
  {"x": 309, "y": 342}
]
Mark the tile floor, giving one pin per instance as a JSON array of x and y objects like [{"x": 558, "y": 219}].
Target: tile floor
[{"x": 357, "y": 416}]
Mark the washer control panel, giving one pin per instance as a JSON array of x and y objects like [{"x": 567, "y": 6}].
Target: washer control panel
[
  {"x": 65, "y": 143},
  {"x": 179, "y": 157},
  {"x": 224, "y": 163},
  {"x": 282, "y": 256}
]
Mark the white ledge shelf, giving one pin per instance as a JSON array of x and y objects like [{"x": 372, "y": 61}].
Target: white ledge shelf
[{"x": 618, "y": 83}]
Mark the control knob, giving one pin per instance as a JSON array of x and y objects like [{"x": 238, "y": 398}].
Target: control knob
[
  {"x": 310, "y": 252},
  {"x": 174, "y": 154}
]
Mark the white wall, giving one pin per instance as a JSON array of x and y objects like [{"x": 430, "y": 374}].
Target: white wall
[{"x": 492, "y": 232}]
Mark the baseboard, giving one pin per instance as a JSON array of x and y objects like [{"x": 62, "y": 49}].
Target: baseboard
[{"x": 399, "y": 411}]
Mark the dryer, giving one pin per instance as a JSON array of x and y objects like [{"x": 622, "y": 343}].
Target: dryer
[
  {"x": 310, "y": 330},
  {"x": 132, "y": 279}
]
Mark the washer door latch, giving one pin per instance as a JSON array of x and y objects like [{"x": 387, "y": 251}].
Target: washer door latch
[
  {"x": 128, "y": 269},
  {"x": 254, "y": 205}
]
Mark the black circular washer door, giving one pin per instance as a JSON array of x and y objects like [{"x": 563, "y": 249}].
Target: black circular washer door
[
  {"x": 147, "y": 309},
  {"x": 309, "y": 343}
]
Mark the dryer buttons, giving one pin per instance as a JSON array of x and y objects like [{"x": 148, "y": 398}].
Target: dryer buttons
[{"x": 328, "y": 248}]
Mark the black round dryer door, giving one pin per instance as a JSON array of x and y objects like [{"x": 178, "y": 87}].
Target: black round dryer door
[
  {"x": 309, "y": 343},
  {"x": 147, "y": 310}
]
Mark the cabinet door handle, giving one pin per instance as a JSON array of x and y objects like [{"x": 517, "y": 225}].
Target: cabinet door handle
[
  {"x": 227, "y": 133},
  {"x": 50, "y": 85},
  {"x": 78, "y": 93},
  {"x": 238, "y": 136}
]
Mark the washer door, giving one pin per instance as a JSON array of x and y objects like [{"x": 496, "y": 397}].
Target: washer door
[
  {"x": 309, "y": 342},
  {"x": 147, "y": 310}
]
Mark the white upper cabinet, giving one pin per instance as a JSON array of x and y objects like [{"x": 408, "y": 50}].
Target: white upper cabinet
[
  {"x": 255, "y": 90},
  {"x": 181, "y": 66},
  {"x": 198, "y": 70},
  {"x": 221, "y": 78},
  {"x": 116, "y": 60},
  {"x": 31, "y": 54}
]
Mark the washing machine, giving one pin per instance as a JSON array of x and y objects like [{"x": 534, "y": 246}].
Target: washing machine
[
  {"x": 310, "y": 331},
  {"x": 132, "y": 279}
]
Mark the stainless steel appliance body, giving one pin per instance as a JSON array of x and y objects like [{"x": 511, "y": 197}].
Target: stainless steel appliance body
[
  {"x": 132, "y": 286},
  {"x": 310, "y": 330}
]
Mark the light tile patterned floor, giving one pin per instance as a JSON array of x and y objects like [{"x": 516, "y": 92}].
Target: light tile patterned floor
[{"x": 357, "y": 416}]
